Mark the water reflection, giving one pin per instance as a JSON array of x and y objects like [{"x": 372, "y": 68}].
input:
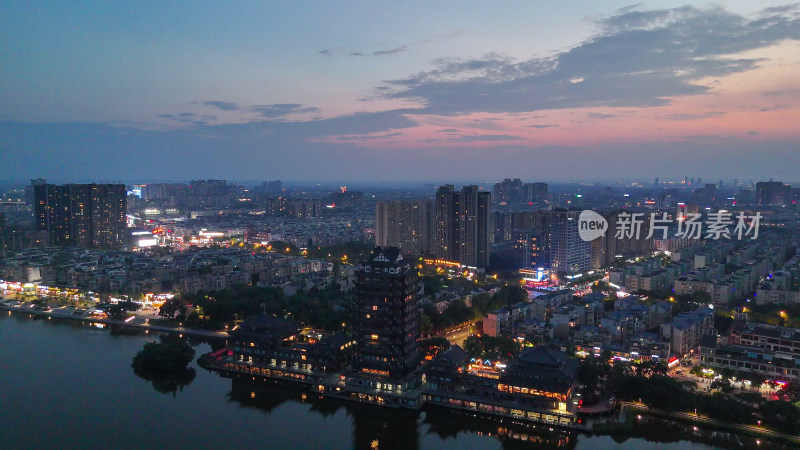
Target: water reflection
[
  {"x": 387, "y": 428},
  {"x": 168, "y": 383},
  {"x": 373, "y": 427},
  {"x": 512, "y": 434},
  {"x": 656, "y": 429}
]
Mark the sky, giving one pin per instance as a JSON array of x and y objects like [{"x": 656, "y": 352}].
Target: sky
[{"x": 399, "y": 91}]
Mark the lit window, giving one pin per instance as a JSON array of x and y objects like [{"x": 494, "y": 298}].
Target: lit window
[
  {"x": 374, "y": 307},
  {"x": 375, "y": 337}
]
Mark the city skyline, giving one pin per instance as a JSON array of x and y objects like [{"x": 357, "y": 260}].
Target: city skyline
[{"x": 383, "y": 93}]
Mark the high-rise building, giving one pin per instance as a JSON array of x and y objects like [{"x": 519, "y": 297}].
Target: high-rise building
[
  {"x": 568, "y": 252},
  {"x": 604, "y": 248},
  {"x": 534, "y": 192},
  {"x": 387, "y": 315},
  {"x": 534, "y": 254},
  {"x": 272, "y": 187},
  {"x": 445, "y": 222},
  {"x": 209, "y": 193},
  {"x": 461, "y": 225},
  {"x": 770, "y": 192},
  {"x": 509, "y": 191},
  {"x": 406, "y": 225},
  {"x": 82, "y": 215}
]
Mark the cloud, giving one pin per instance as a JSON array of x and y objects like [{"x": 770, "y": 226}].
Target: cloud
[
  {"x": 189, "y": 153},
  {"x": 329, "y": 51},
  {"x": 225, "y": 106},
  {"x": 448, "y": 130},
  {"x": 541, "y": 126},
  {"x": 486, "y": 138},
  {"x": 775, "y": 108},
  {"x": 188, "y": 118},
  {"x": 691, "y": 116},
  {"x": 392, "y": 50},
  {"x": 601, "y": 115},
  {"x": 282, "y": 109},
  {"x": 638, "y": 58}
]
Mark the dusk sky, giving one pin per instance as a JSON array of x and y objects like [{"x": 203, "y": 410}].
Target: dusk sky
[{"x": 400, "y": 91}]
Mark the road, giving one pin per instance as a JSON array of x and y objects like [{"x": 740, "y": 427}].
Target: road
[{"x": 459, "y": 335}]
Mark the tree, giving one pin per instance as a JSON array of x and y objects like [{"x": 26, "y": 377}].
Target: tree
[
  {"x": 458, "y": 312},
  {"x": 491, "y": 347},
  {"x": 425, "y": 325},
  {"x": 722, "y": 384},
  {"x": 590, "y": 369},
  {"x": 431, "y": 347},
  {"x": 172, "y": 307},
  {"x": 790, "y": 391},
  {"x": 782, "y": 415},
  {"x": 164, "y": 363},
  {"x": 756, "y": 379},
  {"x": 168, "y": 356},
  {"x": 119, "y": 310}
]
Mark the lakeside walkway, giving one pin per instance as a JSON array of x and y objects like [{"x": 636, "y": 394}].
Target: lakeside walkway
[
  {"x": 84, "y": 315},
  {"x": 701, "y": 419}
]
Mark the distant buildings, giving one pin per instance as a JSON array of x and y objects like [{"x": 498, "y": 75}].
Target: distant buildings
[
  {"x": 511, "y": 191},
  {"x": 406, "y": 225},
  {"x": 508, "y": 191},
  {"x": 533, "y": 192},
  {"x": 272, "y": 187},
  {"x": 461, "y": 225},
  {"x": 604, "y": 248},
  {"x": 82, "y": 215},
  {"x": 771, "y": 192},
  {"x": 210, "y": 193}
]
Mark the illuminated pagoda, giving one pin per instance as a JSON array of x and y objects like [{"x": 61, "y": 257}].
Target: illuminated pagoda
[{"x": 387, "y": 323}]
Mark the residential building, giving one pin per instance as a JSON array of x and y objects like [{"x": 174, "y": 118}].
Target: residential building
[{"x": 81, "y": 215}]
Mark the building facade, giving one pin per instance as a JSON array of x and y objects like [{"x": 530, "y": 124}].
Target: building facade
[
  {"x": 82, "y": 215},
  {"x": 461, "y": 225},
  {"x": 387, "y": 315}
]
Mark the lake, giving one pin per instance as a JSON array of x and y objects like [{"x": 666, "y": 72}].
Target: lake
[{"x": 67, "y": 384}]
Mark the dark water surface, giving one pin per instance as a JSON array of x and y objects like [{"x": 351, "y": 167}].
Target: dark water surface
[{"x": 66, "y": 384}]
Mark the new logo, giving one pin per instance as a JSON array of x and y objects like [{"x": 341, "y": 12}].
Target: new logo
[{"x": 591, "y": 225}]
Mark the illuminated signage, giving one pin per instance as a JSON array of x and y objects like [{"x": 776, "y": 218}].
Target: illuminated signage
[{"x": 147, "y": 242}]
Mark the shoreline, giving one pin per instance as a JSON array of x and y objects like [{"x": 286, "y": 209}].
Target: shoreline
[{"x": 26, "y": 308}]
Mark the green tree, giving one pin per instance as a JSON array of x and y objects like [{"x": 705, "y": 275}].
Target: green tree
[
  {"x": 168, "y": 356},
  {"x": 425, "y": 325},
  {"x": 119, "y": 310}
]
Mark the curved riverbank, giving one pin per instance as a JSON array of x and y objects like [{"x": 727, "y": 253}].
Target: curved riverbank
[{"x": 69, "y": 313}]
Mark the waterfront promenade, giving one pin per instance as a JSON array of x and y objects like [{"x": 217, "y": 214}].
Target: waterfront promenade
[
  {"x": 634, "y": 407},
  {"x": 84, "y": 315}
]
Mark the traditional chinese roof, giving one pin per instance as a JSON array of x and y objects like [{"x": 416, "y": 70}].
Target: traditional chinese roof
[
  {"x": 386, "y": 255},
  {"x": 454, "y": 355}
]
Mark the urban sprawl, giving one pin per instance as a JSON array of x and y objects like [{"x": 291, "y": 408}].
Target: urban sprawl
[{"x": 679, "y": 296}]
